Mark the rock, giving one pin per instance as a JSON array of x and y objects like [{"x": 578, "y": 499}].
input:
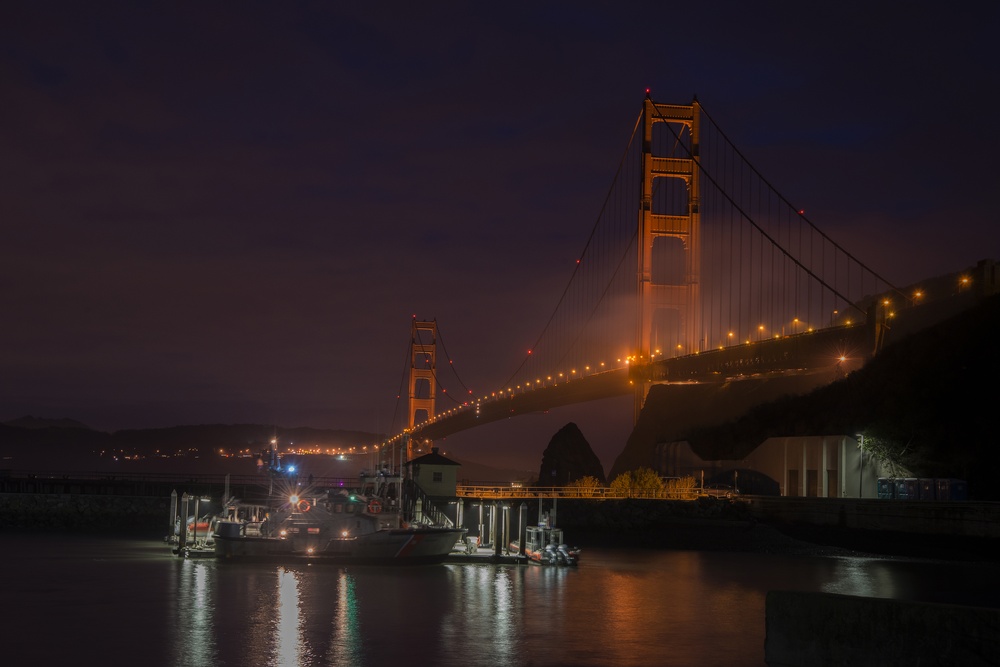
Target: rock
[{"x": 569, "y": 458}]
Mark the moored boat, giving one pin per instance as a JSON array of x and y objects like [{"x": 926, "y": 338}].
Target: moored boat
[
  {"x": 545, "y": 546},
  {"x": 342, "y": 528}
]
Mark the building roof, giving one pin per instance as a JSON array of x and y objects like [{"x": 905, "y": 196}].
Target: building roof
[{"x": 433, "y": 459}]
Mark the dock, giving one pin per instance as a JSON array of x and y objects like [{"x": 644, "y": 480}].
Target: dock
[{"x": 485, "y": 556}]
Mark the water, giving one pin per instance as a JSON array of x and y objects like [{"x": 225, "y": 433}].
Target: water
[{"x": 82, "y": 601}]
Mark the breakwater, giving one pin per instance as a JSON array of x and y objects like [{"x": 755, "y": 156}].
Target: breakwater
[
  {"x": 92, "y": 513},
  {"x": 96, "y": 502}
]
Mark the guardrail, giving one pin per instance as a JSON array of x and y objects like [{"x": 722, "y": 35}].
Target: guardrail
[
  {"x": 579, "y": 493},
  {"x": 246, "y": 485}
]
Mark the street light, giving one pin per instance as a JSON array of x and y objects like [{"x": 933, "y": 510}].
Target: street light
[{"x": 861, "y": 469}]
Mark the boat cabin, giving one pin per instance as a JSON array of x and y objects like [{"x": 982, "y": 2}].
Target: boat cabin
[{"x": 539, "y": 537}]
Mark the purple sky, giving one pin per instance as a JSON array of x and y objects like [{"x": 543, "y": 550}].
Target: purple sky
[{"x": 229, "y": 212}]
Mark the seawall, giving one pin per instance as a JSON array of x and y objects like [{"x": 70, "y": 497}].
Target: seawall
[
  {"x": 97, "y": 513},
  {"x": 918, "y": 517}
]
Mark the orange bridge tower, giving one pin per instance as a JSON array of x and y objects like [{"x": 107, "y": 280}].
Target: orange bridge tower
[
  {"x": 423, "y": 383},
  {"x": 669, "y": 234}
]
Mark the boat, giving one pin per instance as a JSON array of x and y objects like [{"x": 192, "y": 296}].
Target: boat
[
  {"x": 337, "y": 527},
  {"x": 192, "y": 538},
  {"x": 545, "y": 546}
]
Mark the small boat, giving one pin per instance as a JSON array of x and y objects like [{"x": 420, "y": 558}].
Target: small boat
[
  {"x": 342, "y": 528},
  {"x": 545, "y": 546},
  {"x": 196, "y": 541}
]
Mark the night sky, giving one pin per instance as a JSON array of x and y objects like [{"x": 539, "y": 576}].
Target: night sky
[{"x": 228, "y": 212}]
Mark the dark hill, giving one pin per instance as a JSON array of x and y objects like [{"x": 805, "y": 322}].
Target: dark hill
[
  {"x": 931, "y": 397},
  {"x": 66, "y": 447},
  {"x": 673, "y": 411}
]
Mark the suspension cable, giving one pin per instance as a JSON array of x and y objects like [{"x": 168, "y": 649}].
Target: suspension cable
[
  {"x": 579, "y": 262},
  {"x": 451, "y": 363},
  {"x": 760, "y": 229},
  {"x": 792, "y": 207}
]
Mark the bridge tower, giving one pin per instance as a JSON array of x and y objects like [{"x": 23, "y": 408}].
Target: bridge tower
[
  {"x": 668, "y": 297},
  {"x": 423, "y": 365}
]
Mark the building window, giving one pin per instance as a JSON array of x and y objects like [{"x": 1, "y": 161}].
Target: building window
[{"x": 437, "y": 477}]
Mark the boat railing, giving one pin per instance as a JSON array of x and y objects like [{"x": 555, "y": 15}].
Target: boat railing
[{"x": 252, "y": 529}]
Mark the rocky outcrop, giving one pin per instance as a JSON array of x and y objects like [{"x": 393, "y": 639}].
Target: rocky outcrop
[{"x": 569, "y": 458}]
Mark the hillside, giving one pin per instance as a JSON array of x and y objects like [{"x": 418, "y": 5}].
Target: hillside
[
  {"x": 929, "y": 399},
  {"x": 66, "y": 447}
]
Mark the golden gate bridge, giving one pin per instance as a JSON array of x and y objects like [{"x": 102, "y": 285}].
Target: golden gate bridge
[{"x": 695, "y": 268}]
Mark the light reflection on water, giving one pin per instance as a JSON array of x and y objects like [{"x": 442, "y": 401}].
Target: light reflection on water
[
  {"x": 290, "y": 648},
  {"x": 345, "y": 629},
  {"x": 132, "y": 603},
  {"x": 194, "y": 608}
]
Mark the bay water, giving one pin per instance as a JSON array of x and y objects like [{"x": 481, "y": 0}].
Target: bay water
[{"x": 81, "y": 600}]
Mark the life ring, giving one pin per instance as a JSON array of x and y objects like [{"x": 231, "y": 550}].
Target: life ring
[
  {"x": 304, "y": 505},
  {"x": 374, "y": 506}
]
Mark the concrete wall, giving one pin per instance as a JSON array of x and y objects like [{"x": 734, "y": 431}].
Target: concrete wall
[
  {"x": 921, "y": 517},
  {"x": 808, "y": 629}
]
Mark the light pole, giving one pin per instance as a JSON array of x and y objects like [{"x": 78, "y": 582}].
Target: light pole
[{"x": 861, "y": 469}]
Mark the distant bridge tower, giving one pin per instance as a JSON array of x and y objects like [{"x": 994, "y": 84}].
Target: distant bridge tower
[
  {"x": 669, "y": 219},
  {"x": 423, "y": 365}
]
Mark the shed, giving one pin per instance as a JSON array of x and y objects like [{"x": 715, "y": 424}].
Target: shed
[{"x": 435, "y": 474}]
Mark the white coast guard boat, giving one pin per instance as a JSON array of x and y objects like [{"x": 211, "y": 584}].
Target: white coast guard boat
[{"x": 342, "y": 528}]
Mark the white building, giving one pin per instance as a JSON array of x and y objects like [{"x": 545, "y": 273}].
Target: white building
[{"x": 830, "y": 466}]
